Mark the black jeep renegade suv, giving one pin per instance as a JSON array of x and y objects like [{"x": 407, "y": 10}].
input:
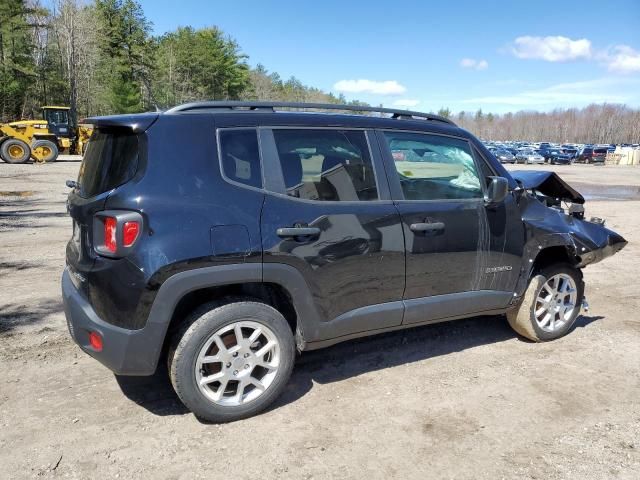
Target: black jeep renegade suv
[{"x": 221, "y": 237}]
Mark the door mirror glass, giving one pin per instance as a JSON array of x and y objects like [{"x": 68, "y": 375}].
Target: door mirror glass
[{"x": 497, "y": 190}]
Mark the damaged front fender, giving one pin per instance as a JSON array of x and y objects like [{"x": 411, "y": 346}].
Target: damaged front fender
[{"x": 549, "y": 225}]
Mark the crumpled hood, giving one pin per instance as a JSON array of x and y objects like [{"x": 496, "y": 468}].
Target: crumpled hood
[{"x": 547, "y": 183}]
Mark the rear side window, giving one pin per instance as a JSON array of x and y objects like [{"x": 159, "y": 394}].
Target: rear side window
[
  {"x": 600, "y": 151},
  {"x": 111, "y": 160},
  {"x": 326, "y": 165},
  {"x": 240, "y": 156}
]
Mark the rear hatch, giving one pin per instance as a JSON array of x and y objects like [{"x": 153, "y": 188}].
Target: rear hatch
[
  {"x": 599, "y": 154},
  {"x": 111, "y": 160}
]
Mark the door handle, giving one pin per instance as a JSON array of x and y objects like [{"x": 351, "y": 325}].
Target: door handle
[
  {"x": 287, "y": 232},
  {"x": 427, "y": 227}
]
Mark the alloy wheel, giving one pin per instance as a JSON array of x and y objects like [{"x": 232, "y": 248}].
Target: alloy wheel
[
  {"x": 556, "y": 302},
  {"x": 238, "y": 363}
]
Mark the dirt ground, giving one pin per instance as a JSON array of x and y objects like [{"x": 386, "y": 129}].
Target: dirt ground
[{"x": 464, "y": 400}]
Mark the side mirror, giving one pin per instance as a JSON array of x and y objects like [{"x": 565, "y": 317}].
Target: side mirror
[{"x": 497, "y": 191}]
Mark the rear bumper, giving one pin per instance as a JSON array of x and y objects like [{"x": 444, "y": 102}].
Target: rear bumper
[{"x": 125, "y": 352}]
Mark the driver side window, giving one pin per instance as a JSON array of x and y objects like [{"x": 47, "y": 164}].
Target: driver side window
[{"x": 434, "y": 167}]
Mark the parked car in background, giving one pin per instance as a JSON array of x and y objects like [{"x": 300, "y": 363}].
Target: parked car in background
[
  {"x": 555, "y": 156},
  {"x": 572, "y": 152},
  {"x": 592, "y": 155},
  {"x": 585, "y": 155},
  {"x": 503, "y": 155},
  {"x": 529, "y": 155},
  {"x": 512, "y": 150}
]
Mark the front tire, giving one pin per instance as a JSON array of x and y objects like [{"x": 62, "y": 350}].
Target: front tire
[
  {"x": 231, "y": 361},
  {"x": 14, "y": 150},
  {"x": 550, "y": 305}
]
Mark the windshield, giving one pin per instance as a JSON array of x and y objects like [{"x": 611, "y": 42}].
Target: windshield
[{"x": 58, "y": 117}]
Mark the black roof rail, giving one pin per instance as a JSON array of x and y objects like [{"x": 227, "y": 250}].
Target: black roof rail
[{"x": 272, "y": 106}]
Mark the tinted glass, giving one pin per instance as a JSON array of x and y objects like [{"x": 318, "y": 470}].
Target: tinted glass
[
  {"x": 57, "y": 116},
  {"x": 600, "y": 151},
  {"x": 433, "y": 167},
  {"x": 326, "y": 165},
  {"x": 240, "y": 156},
  {"x": 111, "y": 159}
]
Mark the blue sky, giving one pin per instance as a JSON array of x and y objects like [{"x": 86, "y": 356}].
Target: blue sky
[{"x": 498, "y": 56}]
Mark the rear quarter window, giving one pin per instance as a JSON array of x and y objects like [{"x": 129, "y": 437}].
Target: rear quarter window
[
  {"x": 240, "y": 156},
  {"x": 111, "y": 160}
]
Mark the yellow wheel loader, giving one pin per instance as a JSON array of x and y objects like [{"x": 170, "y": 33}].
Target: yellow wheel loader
[{"x": 44, "y": 139}]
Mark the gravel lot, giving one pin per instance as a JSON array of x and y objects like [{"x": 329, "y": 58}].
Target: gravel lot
[{"x": 467, "y": 399}]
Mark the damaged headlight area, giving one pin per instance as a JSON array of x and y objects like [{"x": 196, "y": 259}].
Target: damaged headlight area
[{"x": 554, "y": 215}]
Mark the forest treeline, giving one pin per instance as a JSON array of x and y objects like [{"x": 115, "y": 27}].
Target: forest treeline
[
  {"x": 604, "y": 123},
  {"x": 100, "y": 57}
]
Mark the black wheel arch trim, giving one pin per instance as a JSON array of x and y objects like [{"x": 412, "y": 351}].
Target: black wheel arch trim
[{"x": 177, "y": 286}]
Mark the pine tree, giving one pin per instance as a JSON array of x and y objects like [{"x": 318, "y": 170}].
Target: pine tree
[
  {"x": 126, "y": 55},
  {"x": 17, "y": 68}
]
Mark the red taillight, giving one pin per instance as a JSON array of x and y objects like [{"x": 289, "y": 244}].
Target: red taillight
[
  {"x": 96, "y": 341},
  {"x": 110, "y": 228},
  {"x": 130, "y": 233},
  {"x": 116, "y": 232}
]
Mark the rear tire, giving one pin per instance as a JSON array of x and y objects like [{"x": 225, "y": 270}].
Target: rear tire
[
  {"x": 529, "y": 318},
  {"x": 14, "y": 150},
  {"x": 222, "y": 379},
  {"x": 51, "y": 150}
]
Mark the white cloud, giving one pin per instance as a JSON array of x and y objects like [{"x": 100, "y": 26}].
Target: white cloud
[
  {"x": 623, "y": 59},
  {"x": 603, "y": 90},
  {"x": 388, "y": 87},
  {"x": 406, "y": 102},
  {"x": 551, "y": 49},
  {"x": 473, "y": 63}
]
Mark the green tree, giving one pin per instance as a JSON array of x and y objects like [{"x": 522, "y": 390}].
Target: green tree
[
  {"x": 125, "y": 55},
  {"x": 17, "y": 67},
  {"x": 201, "y": 64},
  {"x": 444, "y": 112}
]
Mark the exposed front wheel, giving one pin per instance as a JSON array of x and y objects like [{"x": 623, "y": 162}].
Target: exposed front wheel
[
  {"x": 550, "y": 304},
  {"x": 231, "y": 361},
  {"x": 44, "y": 151},
  {"x": 14, "y": 150}
]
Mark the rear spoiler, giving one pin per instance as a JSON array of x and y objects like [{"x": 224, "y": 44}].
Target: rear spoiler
[{"x": 137, "y": 123}]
